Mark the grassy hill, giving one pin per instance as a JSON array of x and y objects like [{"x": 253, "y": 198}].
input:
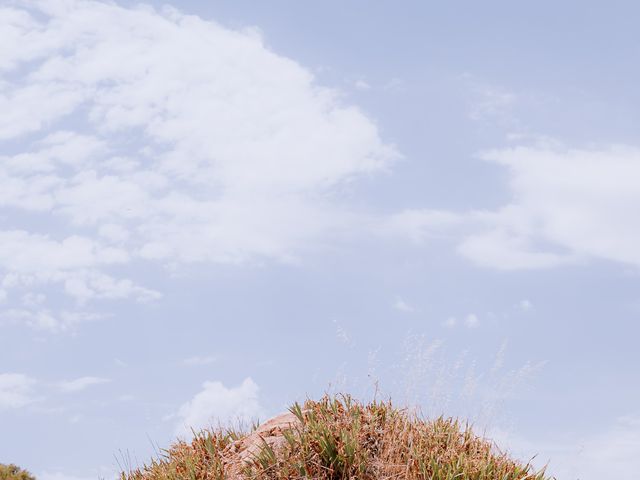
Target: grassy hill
[{"x": 339, "y": 438}]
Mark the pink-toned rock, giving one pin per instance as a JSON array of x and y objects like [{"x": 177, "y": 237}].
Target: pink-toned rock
[{"x": 242, "y": 452}]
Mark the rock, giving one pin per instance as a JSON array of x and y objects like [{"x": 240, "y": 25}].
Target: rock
[{"x": 242, "y": 452}]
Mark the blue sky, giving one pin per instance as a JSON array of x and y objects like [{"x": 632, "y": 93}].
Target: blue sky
[{"x": 212, "y": 209}]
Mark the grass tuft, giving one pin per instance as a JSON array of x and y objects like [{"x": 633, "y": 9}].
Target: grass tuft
[{"x": 338, "y": 438}]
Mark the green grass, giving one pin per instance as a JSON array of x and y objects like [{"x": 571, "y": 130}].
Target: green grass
[{"x": 339, "y": 438}]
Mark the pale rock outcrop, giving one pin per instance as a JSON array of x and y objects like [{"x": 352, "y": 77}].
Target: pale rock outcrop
[{"x": 242, "y": 452}]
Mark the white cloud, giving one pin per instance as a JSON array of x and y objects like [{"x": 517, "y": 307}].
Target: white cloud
[
  {"x": 37, "y": 319},
  {"x": 236, "y": 121},
  {"x": 120, "y": 363},
  {"x": 218, "y": 404},
  {"x": 33, "y": 299},
  {"x": 450, "y": 322},
  {"x": 114, "y": 233},
  {"x": 32, "y": 261},
  {"x": 43, "y": 319},
  {"x": 92, "y": 284},
  {"x": 199, "y": 360},
  {"x": 610, "y": 453},
  {"x": 190, "y": 142},
  {"x": 32, "y": 107},
  {"x": 16, "y": 390},
  {"x": 23, "y": 252},
  {"x": 471, "y": 320},
  {"x": 395, "y": 85},
  {"x": 402, "y": 306},
  {"x": 525, "y": 305},
  {"x": 362, "y": 85},
  {"x": 568, "y": 205},
  {"x": 421, "y": 225},
  {"x": 492, "y": 103},
  {"x": 80, "y": 384},
  {"x": 19, "y": 390},
  {"x": 505, "y": 250}
]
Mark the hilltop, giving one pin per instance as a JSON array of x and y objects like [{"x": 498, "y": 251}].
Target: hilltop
[{"x": 338, "y": 438}]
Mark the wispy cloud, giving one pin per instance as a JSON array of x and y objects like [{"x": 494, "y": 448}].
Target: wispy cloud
[
  {"x": 19, "y": 390},
  {"x": 471, "y": 321},
  {"x": 80, "y": 384},
  {"x": 199, "y": 360},
  {"x": 450, "y": 322},
  {"x": 525, "y": 305},
  {"x": 491, "y": 102},
  {"x": 16, "y": 390},
  {"x": 579, "y": 203},
  {"x": 403, "y": 306},
  {"x": 569, "y": 206}
]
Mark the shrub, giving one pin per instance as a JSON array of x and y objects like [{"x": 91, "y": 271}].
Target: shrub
[{"x": 13, "y": 472}]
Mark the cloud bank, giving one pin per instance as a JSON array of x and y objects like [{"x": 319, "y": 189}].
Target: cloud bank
[
  {"x": 134, "y": 134},
  {"x": 568, "y": 206}
]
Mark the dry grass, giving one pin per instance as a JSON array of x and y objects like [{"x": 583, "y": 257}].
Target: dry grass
[
  {"x": 338, "y": 438},
  {"x": 13, "y": 472}
]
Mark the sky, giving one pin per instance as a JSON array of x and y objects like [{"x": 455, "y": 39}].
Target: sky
[{"x": 210, "y": 210}]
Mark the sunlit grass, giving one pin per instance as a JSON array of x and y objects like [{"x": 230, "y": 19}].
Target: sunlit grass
[
  {"x": 339, "y": 438},
  {"x": 13, "y": 472}
]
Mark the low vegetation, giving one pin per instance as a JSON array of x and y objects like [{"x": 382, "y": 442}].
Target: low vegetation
[
  {"x": 339, "y": 438},
  {"x": 13, "y": 472}
]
